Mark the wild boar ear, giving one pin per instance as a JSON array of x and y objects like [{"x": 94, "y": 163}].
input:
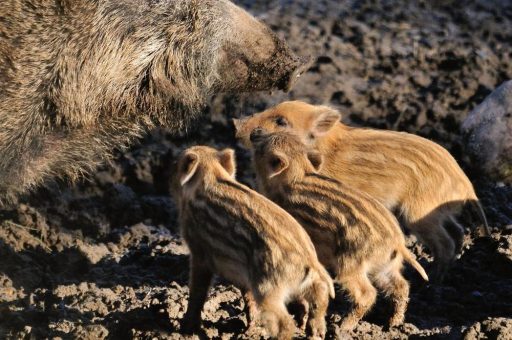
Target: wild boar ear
[
  {"x": 316, "y": 159},
  {"x": 326, "y": 120},
  {"x": 227, "y": 160},
  {"x": 188, "y": 167},
  {"x": 278, "y": 162}
]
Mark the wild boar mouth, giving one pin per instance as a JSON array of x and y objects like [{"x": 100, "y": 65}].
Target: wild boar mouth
[
  {"x": 288, "y": 81},
  {"x": 279, "y": 71},
  {"x": 272, "y": 74}
]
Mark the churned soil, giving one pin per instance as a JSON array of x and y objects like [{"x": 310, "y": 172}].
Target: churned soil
[{"x": 103, "y": 258}]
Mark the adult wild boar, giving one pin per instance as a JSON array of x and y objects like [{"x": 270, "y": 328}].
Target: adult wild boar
[{"x": 82, "y": 77}]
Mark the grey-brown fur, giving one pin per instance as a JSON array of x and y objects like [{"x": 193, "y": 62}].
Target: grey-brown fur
[
  {"x": 235, "y": 232},
  {"x": 81, "y": 77},
  {"x": 356, "y": 237}
]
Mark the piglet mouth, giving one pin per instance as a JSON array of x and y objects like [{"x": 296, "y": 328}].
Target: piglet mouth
[{"x": 256, "y": 134}]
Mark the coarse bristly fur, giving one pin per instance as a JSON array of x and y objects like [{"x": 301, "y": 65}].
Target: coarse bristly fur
[
  {"x": 408, "y": 174},
  {"x": 356, "y": 238},
  {"x": 237, "y": 233},
  {"x": 82, "y": 77}
]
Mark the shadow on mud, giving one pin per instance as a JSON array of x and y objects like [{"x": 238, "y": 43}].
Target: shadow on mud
[{"x": 141, "y": 256}]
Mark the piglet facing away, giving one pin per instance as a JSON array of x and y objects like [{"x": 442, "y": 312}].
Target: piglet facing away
[
  {"x": 242, "y": 236},
  {"x": 355, "y": 236},
  {"x": 83, "y": 77},
  {"x": 408, "y": 174}
]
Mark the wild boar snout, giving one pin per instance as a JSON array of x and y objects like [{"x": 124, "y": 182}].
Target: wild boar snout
[{"x": 253, "y": 58}]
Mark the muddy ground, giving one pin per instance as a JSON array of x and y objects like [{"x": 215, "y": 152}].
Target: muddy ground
[{"x": 102, "y": 258}]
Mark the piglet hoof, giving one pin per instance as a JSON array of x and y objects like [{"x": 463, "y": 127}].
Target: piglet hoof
[
  {"x": 301, "y": 325},
  {"x": 396, "y": 321},
  {"x": 254, "y": 328},
  {"x": 300, "y": 312},
  {"x": 335, "y": 332},
  {"x": 316, "y": 329},
  {"x": 251, "y": 311},
  {"x": 348, "y": 325}
]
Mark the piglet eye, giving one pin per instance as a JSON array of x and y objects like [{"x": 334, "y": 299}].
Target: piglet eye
[
  {"x": 275, "y": 162},
  {"x": 281, "y": 121}
]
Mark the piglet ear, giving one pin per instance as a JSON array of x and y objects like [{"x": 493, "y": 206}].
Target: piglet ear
[
  {"x": 239, "y": 124},
  {"x": 277, "y": 163},
  {"x": 188, "y": 167},
  {"x": 227, "y": 160},
  {"x": 325, "y": 120},
  {"x": 316, "y": 159}
]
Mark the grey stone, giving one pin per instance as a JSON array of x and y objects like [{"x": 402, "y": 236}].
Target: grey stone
[{"x": 487, "y": 132}]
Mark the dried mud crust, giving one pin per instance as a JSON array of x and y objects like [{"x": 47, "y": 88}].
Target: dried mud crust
[{"x": 103, "y": 259}]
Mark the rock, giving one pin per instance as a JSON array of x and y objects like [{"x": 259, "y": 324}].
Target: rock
[
  {"x": 505, "y": 246},
  {"x": 492, "y": 328},
  {"x": 92, "y": 332},
  {"x": 488, "y": 134},
  {"x": 94, "y": 253},
  {"x": 123, "y": 205}
]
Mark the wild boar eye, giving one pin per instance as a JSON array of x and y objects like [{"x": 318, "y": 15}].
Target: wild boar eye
[{"x": 281, "y": 121}]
